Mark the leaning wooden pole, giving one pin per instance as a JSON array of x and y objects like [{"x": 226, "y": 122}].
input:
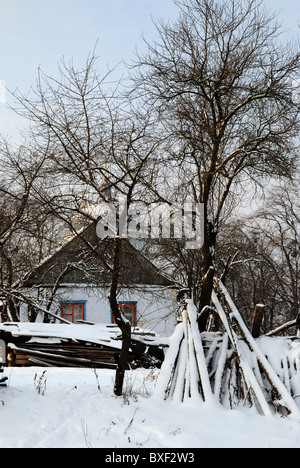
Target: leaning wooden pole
[
  {"x": 229, "y": 369},
  {"x": 283, "y": 397},
  {"x": 247, "y": 373},
  {"x": 184, "y": 374}
]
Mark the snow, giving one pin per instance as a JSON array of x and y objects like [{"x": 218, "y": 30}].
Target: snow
[
  {"x": 71, "y": 412},
  {"x": 76, "y": 408}
]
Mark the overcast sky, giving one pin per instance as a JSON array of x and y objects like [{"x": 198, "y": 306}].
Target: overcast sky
[{"x": 37, "y": 33}]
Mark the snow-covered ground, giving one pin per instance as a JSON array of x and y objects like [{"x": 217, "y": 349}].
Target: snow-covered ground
[{"x": 66, "y": 408}]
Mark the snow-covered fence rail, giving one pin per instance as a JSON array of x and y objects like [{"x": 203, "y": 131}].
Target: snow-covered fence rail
[{"x": 231, "y": 368}]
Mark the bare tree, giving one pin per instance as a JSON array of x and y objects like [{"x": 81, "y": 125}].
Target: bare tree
[
  {"x": 99, "y": 148},
  {"x": 20, "y": 171},
  {"x": 221, "y": 84},
  {"x": 244, "y": 254},
  {"x": 279, "y": 224},
  {"x": 261, "y": 258}
]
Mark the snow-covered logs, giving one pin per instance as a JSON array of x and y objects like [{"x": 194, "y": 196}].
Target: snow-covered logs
[
  {"x": 184, "y": 373},
  {"x": 231, "y": 368},
  {"x": 2, "y": 379},
  {"x": 2, "y": 361}
]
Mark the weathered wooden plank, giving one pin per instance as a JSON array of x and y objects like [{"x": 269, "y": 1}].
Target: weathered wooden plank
[{"x": 56, "y": 362}]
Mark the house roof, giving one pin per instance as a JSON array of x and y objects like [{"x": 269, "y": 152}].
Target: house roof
[{"x": 87, "y": 259}]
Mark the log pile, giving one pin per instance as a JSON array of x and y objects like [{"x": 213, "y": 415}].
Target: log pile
[
  {"x": 231, "y": 368},
  {"x": 35, "y": 349},
  {"x": 65, "y": 354},
  {"x": 2, "y": 379}
]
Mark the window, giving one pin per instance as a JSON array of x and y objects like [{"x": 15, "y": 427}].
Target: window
[
  {"x": 128, "y": 309},
  {"x": 73, "y": 311}
]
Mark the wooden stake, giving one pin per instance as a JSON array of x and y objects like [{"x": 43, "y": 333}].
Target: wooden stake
[{"x": 257, "y": 321}]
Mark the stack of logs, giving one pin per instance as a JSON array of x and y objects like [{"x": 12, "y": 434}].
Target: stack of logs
[
  {"x": 2, "y": 361},
  {"x": 2, "y": 379},
  {"x": 69, "y": 353},
  {"x": 66, "y": 354}
]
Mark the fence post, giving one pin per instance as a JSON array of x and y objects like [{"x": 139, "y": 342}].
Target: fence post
[{"x": 257, "y": 321}]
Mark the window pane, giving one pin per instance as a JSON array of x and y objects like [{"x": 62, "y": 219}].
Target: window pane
[
  {"x": 78, "y": 312},
  {"x": 73, "y": 312},
  {"x": 67, "y": 309},
  {"x": 128, "y": 312}
]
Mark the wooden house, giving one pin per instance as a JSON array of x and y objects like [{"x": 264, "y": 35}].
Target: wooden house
[{"x": 74, "y": 283}]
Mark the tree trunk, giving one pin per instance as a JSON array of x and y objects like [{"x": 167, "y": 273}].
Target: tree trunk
[
  {"x": 208, "y": 278},
  {"x": 124, "y": 324},
  {"x": 12, "y": 311},
  {"x": 298, "y": 325},
  {"x": 10, "y": 305}
]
